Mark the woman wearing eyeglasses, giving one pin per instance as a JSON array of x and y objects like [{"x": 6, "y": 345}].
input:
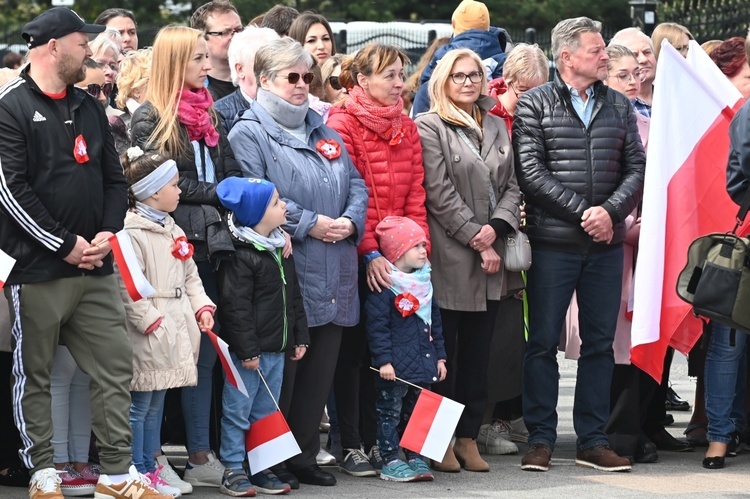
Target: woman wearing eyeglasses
[
  {"x": 281, "y": 139},
  {"x": 473, "y": 200},
  {"x": 178, "y": 121},
  {"x": 384, "y": 145}
]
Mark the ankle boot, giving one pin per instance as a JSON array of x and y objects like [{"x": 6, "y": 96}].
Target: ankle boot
[
  {"x": 468, "y": 456},
  {"x": 448, "y": 464}
]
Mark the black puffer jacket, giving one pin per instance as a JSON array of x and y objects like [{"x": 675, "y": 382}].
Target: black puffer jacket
[
  {"x": 564, "y": 168},
  {"x": 199, "y": 213},
  {"x": 260, "y": 304}
]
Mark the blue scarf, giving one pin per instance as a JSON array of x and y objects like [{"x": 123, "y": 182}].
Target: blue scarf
[{"x": 418, "y": 284}]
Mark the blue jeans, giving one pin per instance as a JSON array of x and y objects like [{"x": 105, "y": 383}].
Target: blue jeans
[
  {"x": 597, "y": 280},
  {"x": 239, "y": 412},
  {"x": 395, "y": 403},
  {"x": 196, "y": 400},
  {"x": 726, "y": 368},
  {"x": 146, "y": 411}
]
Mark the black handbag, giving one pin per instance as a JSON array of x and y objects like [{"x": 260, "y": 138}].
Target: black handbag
[{"x": 716, "y": 279}]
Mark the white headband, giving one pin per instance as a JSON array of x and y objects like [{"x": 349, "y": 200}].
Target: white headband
[{"x": 151, "y": 183}]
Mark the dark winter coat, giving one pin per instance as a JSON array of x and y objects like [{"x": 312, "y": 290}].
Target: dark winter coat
[
  {"x": 405, "y": 342},
  {"x": 260, "y": 305},
  {"x": 564, "y": 167},
  {"x": 229, "y": 107}
]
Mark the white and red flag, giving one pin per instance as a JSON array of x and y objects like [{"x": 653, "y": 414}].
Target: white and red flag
[
  {"x": 230, "y": 371},
  {"x": 268, "y": 442},
  {"x": 431, "y": 425},
  {"x": 6, "y": 265},
  {"x": 136, "y": 283},
  {"x": 684, "y": 197}
]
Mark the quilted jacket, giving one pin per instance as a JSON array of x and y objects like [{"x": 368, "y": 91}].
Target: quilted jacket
[
  {"x": 564, "y": 167},
  {"x": 229, "y": 107},
  {"x": 405, "y": 342},
  {"x": 393, "y": 174}
]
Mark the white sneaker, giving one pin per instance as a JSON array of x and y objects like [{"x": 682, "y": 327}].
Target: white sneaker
[
  {"x": 324, "y": 458},
  {"x": 518, "y": 431},
  {"x": 492, "y": 439},
  {"x": 45, "y": 484},
  {"x": 160, "y": 485},
  {"x": 205, "y": 475},
  {"x": 169, "y": 475}
]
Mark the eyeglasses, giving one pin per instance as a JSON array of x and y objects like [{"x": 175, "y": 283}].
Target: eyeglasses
[
  {"x": 460, "y": 78},
  {"x": 112, "y": 66},
  {"x": 624, "y": 78},
  {"x": 95, "y": 89},
  {"x": 333, "y": 81},
  {"x": 293, "y": 78},
  {"x": 227, "y": 33},
  {"x": 516, "y": 91}
]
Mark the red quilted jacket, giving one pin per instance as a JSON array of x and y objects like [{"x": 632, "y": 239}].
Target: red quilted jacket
[{"x": 393, "y": 174}]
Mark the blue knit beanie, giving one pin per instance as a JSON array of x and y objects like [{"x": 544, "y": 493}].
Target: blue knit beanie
[{"x": 248, "y": 198}]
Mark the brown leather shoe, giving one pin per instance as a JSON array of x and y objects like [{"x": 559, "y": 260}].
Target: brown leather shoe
[
  {"x": 468, "y": 456},
  {"x": 538, "y": 458},
  {"x": 449, "y": 464},
  {"x": 602, "y": 458}
]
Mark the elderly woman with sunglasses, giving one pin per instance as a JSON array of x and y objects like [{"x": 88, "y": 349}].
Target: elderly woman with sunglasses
[
  {"x": 473, "y": 201},
  {"x": 281, "y": 139},
  {"x": 384, "y": 145}
]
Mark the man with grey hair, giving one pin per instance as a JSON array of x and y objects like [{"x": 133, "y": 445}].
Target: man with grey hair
[
  {"x": 241, "y": 56},
  {"x": 580, "y": 163},
  {"x": 643, "y": 48}
]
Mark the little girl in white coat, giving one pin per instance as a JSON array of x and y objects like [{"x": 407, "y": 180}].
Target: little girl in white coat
[{"x": 164, "y": 328}]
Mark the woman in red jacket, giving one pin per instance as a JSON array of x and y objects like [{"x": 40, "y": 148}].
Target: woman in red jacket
[{"x": 385, "y": 147}]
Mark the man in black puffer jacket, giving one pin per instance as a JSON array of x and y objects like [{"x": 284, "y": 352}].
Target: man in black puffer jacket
[{"x": 580, "y": 163}]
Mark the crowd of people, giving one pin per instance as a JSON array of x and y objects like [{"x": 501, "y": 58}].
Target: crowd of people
[{"x": 292, "y": 201}]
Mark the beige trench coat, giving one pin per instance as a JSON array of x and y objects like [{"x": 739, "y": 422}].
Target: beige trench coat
[
  {"x": 458, "y": 205},
  {"x": 165, "y": 358}
]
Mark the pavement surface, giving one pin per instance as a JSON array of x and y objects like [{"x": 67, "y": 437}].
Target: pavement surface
[{"x": 674, "y": 475}]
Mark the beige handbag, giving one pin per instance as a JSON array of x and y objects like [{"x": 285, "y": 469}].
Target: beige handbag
[{"x": 517, "y": 252}]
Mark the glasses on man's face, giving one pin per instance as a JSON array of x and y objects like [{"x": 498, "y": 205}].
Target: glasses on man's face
[
  {"x": 460, "y": 78},
  {"x": 227, "y": 33},
  {"x": 293, "y": 78},
  {"x": 112, "y": 66},
  {"x": 333, "y": 81},
  {"x": 624, "y": 77},
  {"x": 95, "y": 89}
]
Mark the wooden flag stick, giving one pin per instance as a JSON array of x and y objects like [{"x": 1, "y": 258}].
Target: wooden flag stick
[
  {"x": 401, "y": 380},
  {"x": 269, "y": 390}
]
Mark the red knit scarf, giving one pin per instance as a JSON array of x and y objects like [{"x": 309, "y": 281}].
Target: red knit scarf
[
  {"x": 193, "y": 113},
  {"x": 383, "y": 120}
]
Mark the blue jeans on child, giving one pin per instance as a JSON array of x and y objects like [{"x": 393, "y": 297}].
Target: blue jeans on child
[
  {"x": 146, "y": 411},
  {"x": 239, "y": 412},
  {"x": 725, "y": 377},
  {"x": 395, "y": 404}
]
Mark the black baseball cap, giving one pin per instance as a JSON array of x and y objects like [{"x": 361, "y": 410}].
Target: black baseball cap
[{"x": 56, "y": 23}]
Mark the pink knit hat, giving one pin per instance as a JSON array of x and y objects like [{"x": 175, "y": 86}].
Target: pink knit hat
[{"x": 397, "y": 235}]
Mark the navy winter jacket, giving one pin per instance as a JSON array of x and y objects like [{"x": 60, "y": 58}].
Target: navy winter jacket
[
  {"x": 489, "y": 45},
  {"x": 405, "y": 342},
  {"x": 229, "y": 107}
]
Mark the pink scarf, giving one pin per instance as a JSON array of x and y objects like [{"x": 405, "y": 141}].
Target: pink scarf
[
  {"x": 383, "y": 120},
  {"x": 193, "y": 113}
]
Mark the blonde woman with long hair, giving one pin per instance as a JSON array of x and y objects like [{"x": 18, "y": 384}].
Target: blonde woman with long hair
[
  {"x": 473, "y": 201},
  {"x": 178, "y": 121}
]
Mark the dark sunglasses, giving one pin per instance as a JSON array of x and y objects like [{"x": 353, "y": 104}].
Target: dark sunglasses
[
  {"x": 293, "y": 78},
  {"x": 95, "y": 89},
  {"x": 333, "y": 81}
]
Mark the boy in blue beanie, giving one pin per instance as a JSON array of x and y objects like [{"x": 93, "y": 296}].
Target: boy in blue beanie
[{"x": 261, "y": 314}]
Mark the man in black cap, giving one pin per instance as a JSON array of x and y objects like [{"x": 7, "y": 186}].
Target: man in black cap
[{"x": 62, "y": 194}]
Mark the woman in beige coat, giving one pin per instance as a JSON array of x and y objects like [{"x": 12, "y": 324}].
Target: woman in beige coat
[{"x": 473, "y": 201}]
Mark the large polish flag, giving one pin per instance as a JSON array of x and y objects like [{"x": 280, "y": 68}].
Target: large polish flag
[
  {"x": 431, "y": 425},
  {"x": 136, "y": 283},
  {"x": 6, "y": 265},
  {"x": 268, "y": 442},
  {"x": 684, "y": 197},
  {"x": 230, "y": 370}
]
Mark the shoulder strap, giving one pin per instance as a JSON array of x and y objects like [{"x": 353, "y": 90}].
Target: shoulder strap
[{"x": 744, "y": 207}]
